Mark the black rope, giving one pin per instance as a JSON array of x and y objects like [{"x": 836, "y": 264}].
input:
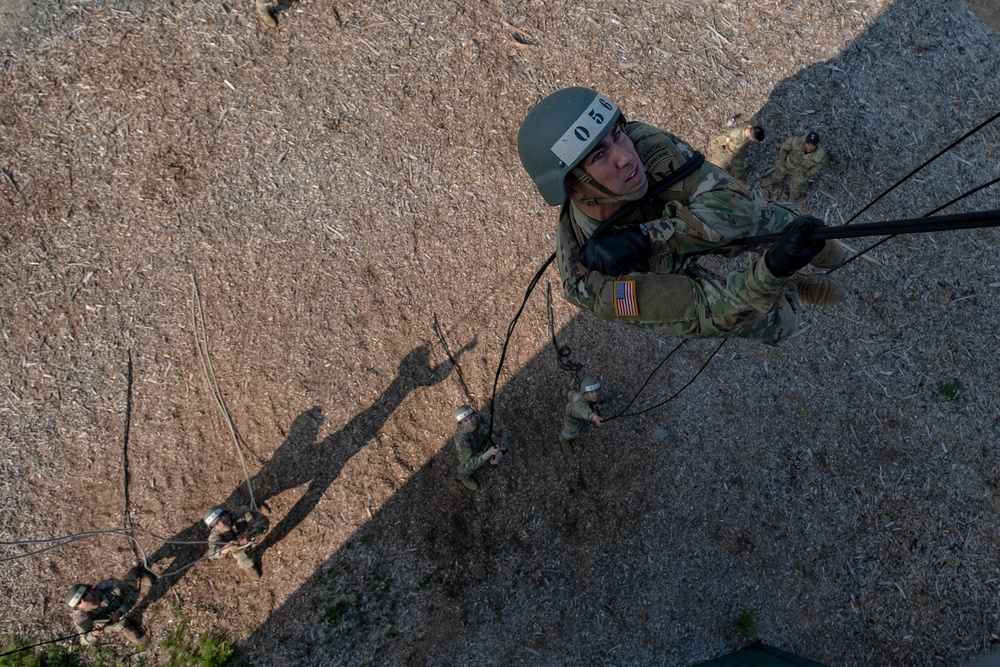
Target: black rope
[
  {"x": 451, "y": 358},
  {"x": 926, "y": 224},
  {"x": 936, "y": 156},
  {"x": 562, "y": 353},
  {"x": 126, "y": 513},
  {"x": 50, "y": 641},
  {"x": 510, "y": 332},
  {"x": 622, "y": 412},
  {"x": 939, "y": 208},
  {"x": 678, "y": 392}
]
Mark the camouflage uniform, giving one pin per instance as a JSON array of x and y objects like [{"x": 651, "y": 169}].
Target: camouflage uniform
[
  {"x": 264, "y": 8},
  {"x": 579, "y": 412},
  {"x": 246, "y": 523},
  {"x": 729, "y": 150},
  {"x": 793, "y": 161},
  {"x": 471, "y": 446},
  {"x": 115, "y": 595},
  {"x": 699, "y": 214}
]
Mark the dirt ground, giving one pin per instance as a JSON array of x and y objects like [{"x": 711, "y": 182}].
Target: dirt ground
[{"x": 345, "y": 194}]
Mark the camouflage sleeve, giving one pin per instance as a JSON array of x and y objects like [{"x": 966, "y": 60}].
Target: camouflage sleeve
[
  {"x": 215, "y": 545},
  {"x": 785, "y": 149},
  {"x": 251, "y": 522},
  {"x": 466, "y": 459},
  {"x": 259, "y": 523},
  {"x": 580, "y": 409},
  {"x": 718, "y": 143},
  {"x": 127, "y": 596},
  {"x": 813, "y": 164},
  {"x": 607, "y": 403},
  {"x": 580, "y": 285},
  {"x": 83, "y": 623},
  {"x": 671, "y": 302},
  {"x": 503, "y": 434}
]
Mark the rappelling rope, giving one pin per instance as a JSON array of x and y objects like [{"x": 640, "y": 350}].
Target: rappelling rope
[
  {"x": 510, "y": 332},
  {"x": 939, "y": 208},
  {"x": 66, "y": 540},
  {"x": 47, "y": 641},
  {"x": 564, "y": 352},
  {"x": 201, "y": 341},
  {"x": 936, "y": 156}
]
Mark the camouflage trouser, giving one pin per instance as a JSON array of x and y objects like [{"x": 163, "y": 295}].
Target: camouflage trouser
[
  {"x": 263, "y": 6},
  {"x": 795, "y": 183},
  {"x": 131, "y": 578},
  {"x": 572, "y": 427},
  {"x": 778, "y": 324},
  {"x": 736, "y": 167},
  {"x": 244, "y": 558},
  {"x": 466, "y": 471}
]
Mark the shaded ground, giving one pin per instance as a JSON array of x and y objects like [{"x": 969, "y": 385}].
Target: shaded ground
[{"x": 337, "y": 184}]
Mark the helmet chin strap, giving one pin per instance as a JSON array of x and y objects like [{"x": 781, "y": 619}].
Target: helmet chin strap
[{"x": 612, "y": 198}]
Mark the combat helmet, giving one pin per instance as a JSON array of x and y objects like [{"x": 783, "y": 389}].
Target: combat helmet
[
  {"x": 590, "y": 384},
  {"x": 462, "y": 412},
  {"x": 75, "y": 594},
  {"x": 212, "y": 515},
  {"x": 558, "y": 133}
]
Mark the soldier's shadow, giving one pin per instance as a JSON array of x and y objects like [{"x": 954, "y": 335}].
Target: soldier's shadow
[{"x": 299, "y": 460}]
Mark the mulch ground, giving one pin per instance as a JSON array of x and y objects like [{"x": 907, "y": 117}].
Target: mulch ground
[{"x": 345, "y": 194}]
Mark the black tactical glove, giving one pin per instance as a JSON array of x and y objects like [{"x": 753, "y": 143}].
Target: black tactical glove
[
  {"x": 614, "y": 251},
  {"x": 795, "y": 248}
]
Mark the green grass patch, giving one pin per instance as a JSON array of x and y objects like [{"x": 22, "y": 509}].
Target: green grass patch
[
  {"x": 745, "y": 622},
  {"x": 203, "y": 651},
  {"x": 951, "y": 390},
  {"x": 65, "y": 654}
]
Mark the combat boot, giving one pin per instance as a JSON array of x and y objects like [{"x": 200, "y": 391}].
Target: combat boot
[
  {"x": 267, "y": 19},
  {"x": 833, "y": 254},
  {"x": 469, "y": 483},
  {"x": 818, "y": 289},
  {"x": 130, "y": 632},
  {"x": 768, "y": 181},
  {"x": 253, "y": 572},
  {"x": 566, "y": 445}
]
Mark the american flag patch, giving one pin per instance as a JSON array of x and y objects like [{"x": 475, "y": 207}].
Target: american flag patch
[{"x": 625, "y": 305}]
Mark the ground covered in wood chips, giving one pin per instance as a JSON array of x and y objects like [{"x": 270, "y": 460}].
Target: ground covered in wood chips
[{"x": 345, "y": 194}]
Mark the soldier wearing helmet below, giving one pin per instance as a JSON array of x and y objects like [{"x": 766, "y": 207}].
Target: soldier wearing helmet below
[
  {"x": 584, "y": 408},
  {"x": 474, "y": 446},
  {"x": 234, "y": 534},
  {"x": 798, "y": 158},
  {"x": 638, "y": 207},
  {"x": 103, "y": 608}
]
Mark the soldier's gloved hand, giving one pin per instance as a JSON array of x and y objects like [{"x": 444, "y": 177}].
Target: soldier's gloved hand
[
  {"x": 613, "y": 252},
  {"x": 795, "y": 248}
]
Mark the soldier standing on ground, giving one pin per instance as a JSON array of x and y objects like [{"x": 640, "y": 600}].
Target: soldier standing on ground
[
  {"x": 101, "y": 608},
  {"x": 475, "y": 449},
  {"x": 798, "y": 158},
  {"x": 729, "y": 150},
  {"x": 584, "y": 408},
  {"x": 235, "y": 536}
]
